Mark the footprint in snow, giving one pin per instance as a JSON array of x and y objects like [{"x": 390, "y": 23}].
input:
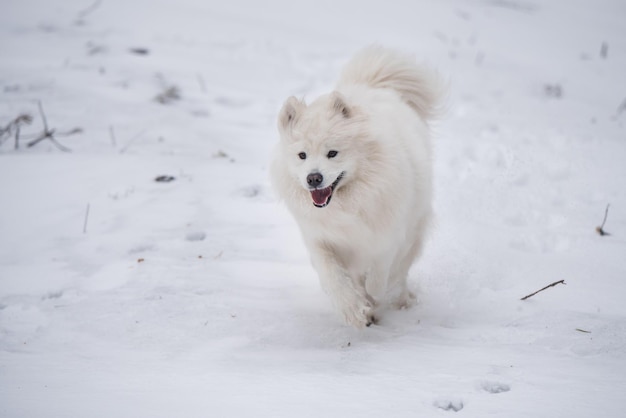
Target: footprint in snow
[
  {"x": 449, "y": 404},
  {"x": 195, "y": 236},
  {"x": 52, "y": 295},
  {"x": 495, "y": 387},
  {"x": 251, "y": 191}
]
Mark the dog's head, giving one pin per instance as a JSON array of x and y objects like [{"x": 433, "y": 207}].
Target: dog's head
[{"x": 320, "y": 145}]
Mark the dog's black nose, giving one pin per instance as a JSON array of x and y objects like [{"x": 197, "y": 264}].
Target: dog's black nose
[{"x": 314, "y": 179}]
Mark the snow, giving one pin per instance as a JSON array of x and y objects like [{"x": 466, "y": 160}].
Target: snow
[{"x": 195, "y": 297}]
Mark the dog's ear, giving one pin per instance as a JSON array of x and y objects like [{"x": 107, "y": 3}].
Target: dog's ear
[
  {"x": 339, "y": 105},
  {"x": 290, "y": 113}
]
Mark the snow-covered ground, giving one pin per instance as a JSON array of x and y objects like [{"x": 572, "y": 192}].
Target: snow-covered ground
[{"x": 195, "y": 297}]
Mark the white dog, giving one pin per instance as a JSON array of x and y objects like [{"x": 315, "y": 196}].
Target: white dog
[{"x": 354, "y": 168}]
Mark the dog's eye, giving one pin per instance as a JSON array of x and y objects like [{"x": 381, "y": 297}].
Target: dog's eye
[
  {"x": 302, "y": 155},
  {"x": 331, "y": 154}
]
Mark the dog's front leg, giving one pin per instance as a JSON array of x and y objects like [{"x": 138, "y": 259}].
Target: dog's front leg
[{"x": 347, "y": 293}]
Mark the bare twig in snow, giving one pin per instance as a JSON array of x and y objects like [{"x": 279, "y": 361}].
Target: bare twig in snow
[
  {"x": 541, "y": 290},
  {"x": 14, "y": 127},
  {"x": 50, "y": 133},
  {"x": 600, "y": 229},
  {"x": 43, "y": 115},
  {"x": 125, "y": 148},
  {"x": 112, "y": 136},
  {"x": 620, "y": 109},
  {"x": 86, "y": 219},
  {"x": 583, "y": 330},
  {"x": 84, "y": 13}
]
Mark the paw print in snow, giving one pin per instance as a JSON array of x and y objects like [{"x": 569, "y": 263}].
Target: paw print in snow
[
  {"x": 449, "y": 404},
  {"x": 495, "y": 387}
]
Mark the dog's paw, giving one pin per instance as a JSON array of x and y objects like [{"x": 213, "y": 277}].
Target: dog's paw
[
  {"x": 359, "y": 314},
  {"x": 405, "y": 300}
]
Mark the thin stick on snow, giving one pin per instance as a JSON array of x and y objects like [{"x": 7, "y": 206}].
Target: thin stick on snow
[
  {"x": 541, "y": 290},
  {"x": 112, "y": 135},
  {"x": 15, "y": 125},
  {"x": 86, "y": 219},
  {"x": 130, "y": 141},
  {"x": 600, "y": 229},
  {"x": 50, "y": 133},
  {"x": 17, "y": 136},
  {"x": 43, "y": 116},
  {"x": 620, "y": 109},
  {"x": 82, "y": 14}
]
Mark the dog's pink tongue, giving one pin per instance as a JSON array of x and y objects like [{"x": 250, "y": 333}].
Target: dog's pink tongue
[{"x": 320, "y": 196}]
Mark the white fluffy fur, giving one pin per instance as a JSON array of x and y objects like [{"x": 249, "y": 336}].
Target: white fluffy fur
[{"x": 364, "y": 241}]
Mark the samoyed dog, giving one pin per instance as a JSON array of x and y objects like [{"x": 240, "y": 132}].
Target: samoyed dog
[{"x": 354, "y": 168}]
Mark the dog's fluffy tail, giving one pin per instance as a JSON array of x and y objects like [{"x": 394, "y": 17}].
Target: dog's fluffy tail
[{"x": 379, "y": 67}]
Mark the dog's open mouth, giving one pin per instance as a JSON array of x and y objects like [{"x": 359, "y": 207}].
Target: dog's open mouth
[{"x": 321, "y": 197}]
